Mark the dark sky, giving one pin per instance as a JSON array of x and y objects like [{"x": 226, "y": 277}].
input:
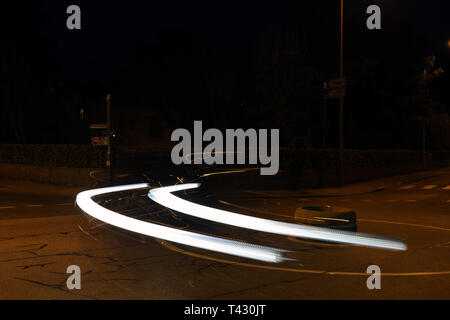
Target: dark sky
[{"x": 109, "y": 27}]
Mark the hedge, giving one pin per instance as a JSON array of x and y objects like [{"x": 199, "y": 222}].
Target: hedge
[{"x": 86, "y": 156}]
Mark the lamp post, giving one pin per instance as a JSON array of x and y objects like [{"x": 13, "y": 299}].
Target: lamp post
[
  {"x": 108, "y": 124},
  {"x": 341, "y": 101},
  {"x": 105, "y": 139}
]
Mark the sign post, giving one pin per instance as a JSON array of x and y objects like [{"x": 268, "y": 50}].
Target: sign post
[
  {"x": 108, "y": 124},
  {"x": 341, "y": 101},
  {"x": 99, "y": 141},
  {"x": 105, "y": 139},
  {"x": 325, "y": 94},
  {"x": 338, "y": 89}
]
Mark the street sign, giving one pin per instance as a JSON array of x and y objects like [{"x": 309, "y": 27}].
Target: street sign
[
  {"x": 99, "y": 141},
  {"x": 99, "y": 126},
  {"x": 337, "y": 83},
  {"x": 337, "y": 93},
  {"x": 337, "y": 88}
]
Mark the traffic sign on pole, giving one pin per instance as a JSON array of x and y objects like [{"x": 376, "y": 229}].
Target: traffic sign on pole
[
  {"x": 99, "y": 141},
  {"x": 337, "y": 83},
  {"x": 337, "y": 92},
  {"x": 99, "y": 126},
  {"x": 337, "y": 88}
]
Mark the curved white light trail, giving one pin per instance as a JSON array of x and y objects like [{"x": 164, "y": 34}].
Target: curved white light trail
[
  {"x": 164, "y": 197},
  {"x": 85, "y": 202}
]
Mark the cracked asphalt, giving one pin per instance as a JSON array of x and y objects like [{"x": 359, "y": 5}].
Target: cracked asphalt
[{"x": 42, "y": 233}]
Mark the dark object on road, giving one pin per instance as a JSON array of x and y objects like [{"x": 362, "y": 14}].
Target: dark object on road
[{"x": 327, "y": 217}]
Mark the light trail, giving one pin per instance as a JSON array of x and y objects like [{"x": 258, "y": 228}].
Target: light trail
[
  {"x": 164, "y": 197},
  {"x": 236, "y": 248}
]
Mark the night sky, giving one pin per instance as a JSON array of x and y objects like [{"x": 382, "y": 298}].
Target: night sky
[
  {"x": 108, "y": 28},
  {"x": 231, "y": 63}
]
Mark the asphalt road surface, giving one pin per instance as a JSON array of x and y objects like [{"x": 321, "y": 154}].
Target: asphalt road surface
[{"x": 42, "y": 233}]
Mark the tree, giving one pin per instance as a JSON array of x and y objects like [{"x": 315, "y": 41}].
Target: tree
[{"x": 424, "y": 101}]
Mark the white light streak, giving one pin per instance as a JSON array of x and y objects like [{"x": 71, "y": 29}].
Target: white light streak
[
  {"x": 85, "y": 202},
  {"x": 164, "y": 197}
]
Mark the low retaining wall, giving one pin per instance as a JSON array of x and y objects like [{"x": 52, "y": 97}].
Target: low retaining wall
[
  {"x": 72, "y": 165},
  {"x": 77, "y": 177}
]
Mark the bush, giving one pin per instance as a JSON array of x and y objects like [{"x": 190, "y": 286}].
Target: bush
[{"x": 75, "y": 156}]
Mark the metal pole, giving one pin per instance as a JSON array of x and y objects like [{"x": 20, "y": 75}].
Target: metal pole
[
  {"x": 324, "y": 117},
  {"x": 341, "y": 102},
  {"x": 424, "y": 139},
  {"x": 324, "y": 134},
  {"x": 108, "y": 123}
]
